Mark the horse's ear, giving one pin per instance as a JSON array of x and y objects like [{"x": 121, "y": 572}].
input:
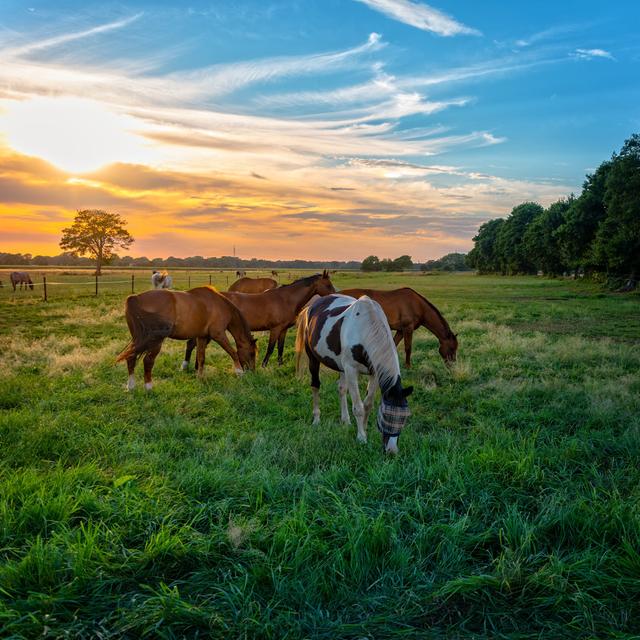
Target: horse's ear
[
  {"x": 325, "y": 274},
  {"x": 407, "y": 391}
]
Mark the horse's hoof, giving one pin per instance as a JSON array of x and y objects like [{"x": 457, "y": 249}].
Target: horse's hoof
[
  {"x": 185, "y": 365},
  {"x": 362, "y": 439},
  {"x": 148, "y": 386},
  {"x": 239, "y": 372}
]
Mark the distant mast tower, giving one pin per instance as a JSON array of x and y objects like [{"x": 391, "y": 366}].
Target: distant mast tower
[{"x": 234, "y": 250}]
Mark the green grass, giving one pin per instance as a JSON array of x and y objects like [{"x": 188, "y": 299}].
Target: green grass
[{"x": 213, "y": 509}]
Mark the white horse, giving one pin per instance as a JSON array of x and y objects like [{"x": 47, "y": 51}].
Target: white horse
[
  {"x": 161, "y": 280},
  {"x": 353, "y": 336}
]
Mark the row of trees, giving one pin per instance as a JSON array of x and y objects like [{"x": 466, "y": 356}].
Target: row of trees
[
  {"x": 595, "y": 232},
  {"x": 401, "y": 263},
  {"x": 450, "y": 262}
]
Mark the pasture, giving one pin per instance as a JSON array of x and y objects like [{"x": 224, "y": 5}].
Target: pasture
[{"x": 212, "y": 508}]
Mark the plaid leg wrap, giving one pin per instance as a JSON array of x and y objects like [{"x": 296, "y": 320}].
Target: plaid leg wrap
[{"x": 392, "y": 418}]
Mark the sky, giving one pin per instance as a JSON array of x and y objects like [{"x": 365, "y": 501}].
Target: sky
[{"x": 313, "y": 129}]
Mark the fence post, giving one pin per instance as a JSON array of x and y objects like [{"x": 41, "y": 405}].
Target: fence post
[
  {"x": 44, "y": 286},
  {"x": 96, "y": 283},
  {"x": 209, "y": 279},
  {"x": 132, "y": 277},
  {"x": 189, "y": 281},
  {"x": 227, "y": 282}
]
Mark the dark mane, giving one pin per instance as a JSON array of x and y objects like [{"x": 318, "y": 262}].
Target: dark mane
[
  {"x": 306, "y": 281},
  {"x": 435, "y": 309}
]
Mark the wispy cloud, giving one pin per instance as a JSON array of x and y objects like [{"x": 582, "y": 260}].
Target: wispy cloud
[
  {"x": 421, "y": 16},
  {"x": 65, "y": 38},
  {"x": 589, "y": 54}
]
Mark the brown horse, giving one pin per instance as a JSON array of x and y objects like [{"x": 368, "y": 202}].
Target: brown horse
[
  {"x": 22, "y": 278},
  {"x": 406, "y": 310},
  {"x": 200, "y": 314},
  {"x": 276, "y": 310},
  {"x": 253, "y": 285}
]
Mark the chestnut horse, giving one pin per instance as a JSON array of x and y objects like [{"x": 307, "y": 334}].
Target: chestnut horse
[
  {"x": 22, "y": 278},
  {"x": 406, "y": 310},
  {"x": 200, "y": 314},
  {"x": 352, "y": 336},
  {"x": 275, "y": 310},
  {"x": 253, "y": 285}
]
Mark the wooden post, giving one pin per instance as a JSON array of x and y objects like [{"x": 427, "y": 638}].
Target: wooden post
[
  {"x": 132, "y": 277},
  {"x": 209, "y": 279},
  {"x": 189, "y": 281},
  {"x": 44, "y": 286},
  {"x": 227, "y": 282},
  {"x": 96, "y": 283}
]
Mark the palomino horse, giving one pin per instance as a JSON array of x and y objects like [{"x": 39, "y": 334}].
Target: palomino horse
[
  {"x": 275, "y": 310},
  {"x": 161, "y": 280},
  {"x": 201, "y": 314},
  {"x": 352, "y": 336},
  {"x": 253, "y": 285},
  {"x": 22, "y": 278},
  {"x": 406, "y": 310}
]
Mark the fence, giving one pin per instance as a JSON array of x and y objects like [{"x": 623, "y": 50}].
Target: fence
[{"x": 57, "y": 284}]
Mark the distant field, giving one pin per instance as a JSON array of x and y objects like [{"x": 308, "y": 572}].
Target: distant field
[{"x": 213, "y": 509}]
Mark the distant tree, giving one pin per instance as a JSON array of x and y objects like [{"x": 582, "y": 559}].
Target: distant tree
[
  {"x": 484, "y": 256},
  {"x": 371, "y": 263},
  {"x": 541, "y": 244},
  {"x": 96, "y": 233},
  {"x": 617, "y": 241},
  {"x": 402, "y": 263},
  {"x": 509, "y": 247},
  {"x": 386, "y": 264}
]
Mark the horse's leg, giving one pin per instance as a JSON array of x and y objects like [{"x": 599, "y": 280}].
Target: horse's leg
[
  {"x": 398, "y": 337},
  {"x": 342, "y": 390},
  {"x": 201, "y": 347},
  {"x": 368, "y": 401},
  {"x": 223, "y": 341},
  {"x": 149, "y": 361},
  {"x": 351, "y": 377},
  {"x": 191, "y": 345},
  {"x": 273, "y": 336},
  {"x": 314, "y": 370},
  {"x": 408, "y": 338},
  {"x": 131, "y": 367},
  {"x": 281, "y": 338}
]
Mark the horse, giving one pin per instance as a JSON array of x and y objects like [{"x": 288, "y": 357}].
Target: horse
[
  {"x": 253, "y": 285},
  {"x": 201, "y": 314},
  {"x": 406, "y": 310},
  {"x": 274, "y": 273},
  {"x": 275, "y": 310},
  {"x": 352, "y": 336},
  {"x": 161, "y": 280},
  {"x": 241, "y": 273},
  {"x": 22, "y": 278}
]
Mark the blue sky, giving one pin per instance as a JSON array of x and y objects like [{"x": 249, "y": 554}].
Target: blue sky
[{"x": 292, "y": 129}]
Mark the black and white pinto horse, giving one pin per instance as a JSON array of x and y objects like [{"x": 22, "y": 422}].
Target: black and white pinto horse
[
  {"x": 161, "y": 280},
  {"x": 353, "y": 336}
]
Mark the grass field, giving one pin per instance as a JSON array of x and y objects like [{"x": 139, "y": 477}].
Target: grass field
[{"x": 213, "y": 509}]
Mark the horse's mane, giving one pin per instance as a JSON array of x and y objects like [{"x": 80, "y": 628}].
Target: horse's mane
[
  {"x": 306, "y": 281},
  {"x": 435, "y": 309},
  {"x": 379, "y": 343}
]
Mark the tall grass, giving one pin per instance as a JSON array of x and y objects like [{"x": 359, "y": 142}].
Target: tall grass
[{"x": 213, "y": 509}]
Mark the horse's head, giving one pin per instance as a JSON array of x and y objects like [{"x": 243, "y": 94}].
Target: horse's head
[
  {"x": 392, "y": 415},
  {"x": 247, "y": 353},
  {"x": 449, "y": 348},
  {"x": 323, "y": 285}
]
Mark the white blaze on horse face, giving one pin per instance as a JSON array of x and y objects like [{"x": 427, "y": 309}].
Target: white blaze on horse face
[{"x": 131, "y": 383}]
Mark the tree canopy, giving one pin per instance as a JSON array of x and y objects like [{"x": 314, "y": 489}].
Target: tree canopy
[{"x": 96, "y": 233}]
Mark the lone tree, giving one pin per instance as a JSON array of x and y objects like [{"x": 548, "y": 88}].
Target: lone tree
[{"x": 96, "y": 233}]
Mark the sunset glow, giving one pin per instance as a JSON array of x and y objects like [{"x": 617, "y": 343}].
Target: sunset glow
[{"x": 346, "y": 129}]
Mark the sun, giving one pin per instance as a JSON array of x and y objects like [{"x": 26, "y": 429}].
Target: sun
[{"x": 74, "y": 134}]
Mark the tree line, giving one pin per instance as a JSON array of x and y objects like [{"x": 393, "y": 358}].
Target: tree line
[{"x": 594, "y": 233}]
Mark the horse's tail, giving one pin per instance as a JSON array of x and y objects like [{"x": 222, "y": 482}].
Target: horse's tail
[
  {"x": 147, "y": 329},
  {"x": 301, "y": 329}
]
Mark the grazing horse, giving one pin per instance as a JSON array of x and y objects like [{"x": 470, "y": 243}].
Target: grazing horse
[
  {"x": 406, "y": 310},
  {"x": 275, "y": 310},
  {"x": 161, "y": 280},
  {"x": 241, "y": 273},
  {"x": 352, "y": 336},
  {"x": 22, "y": 278},
  {"x": 253, "y": 285},
  {"x": 201, "y": 314}
]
